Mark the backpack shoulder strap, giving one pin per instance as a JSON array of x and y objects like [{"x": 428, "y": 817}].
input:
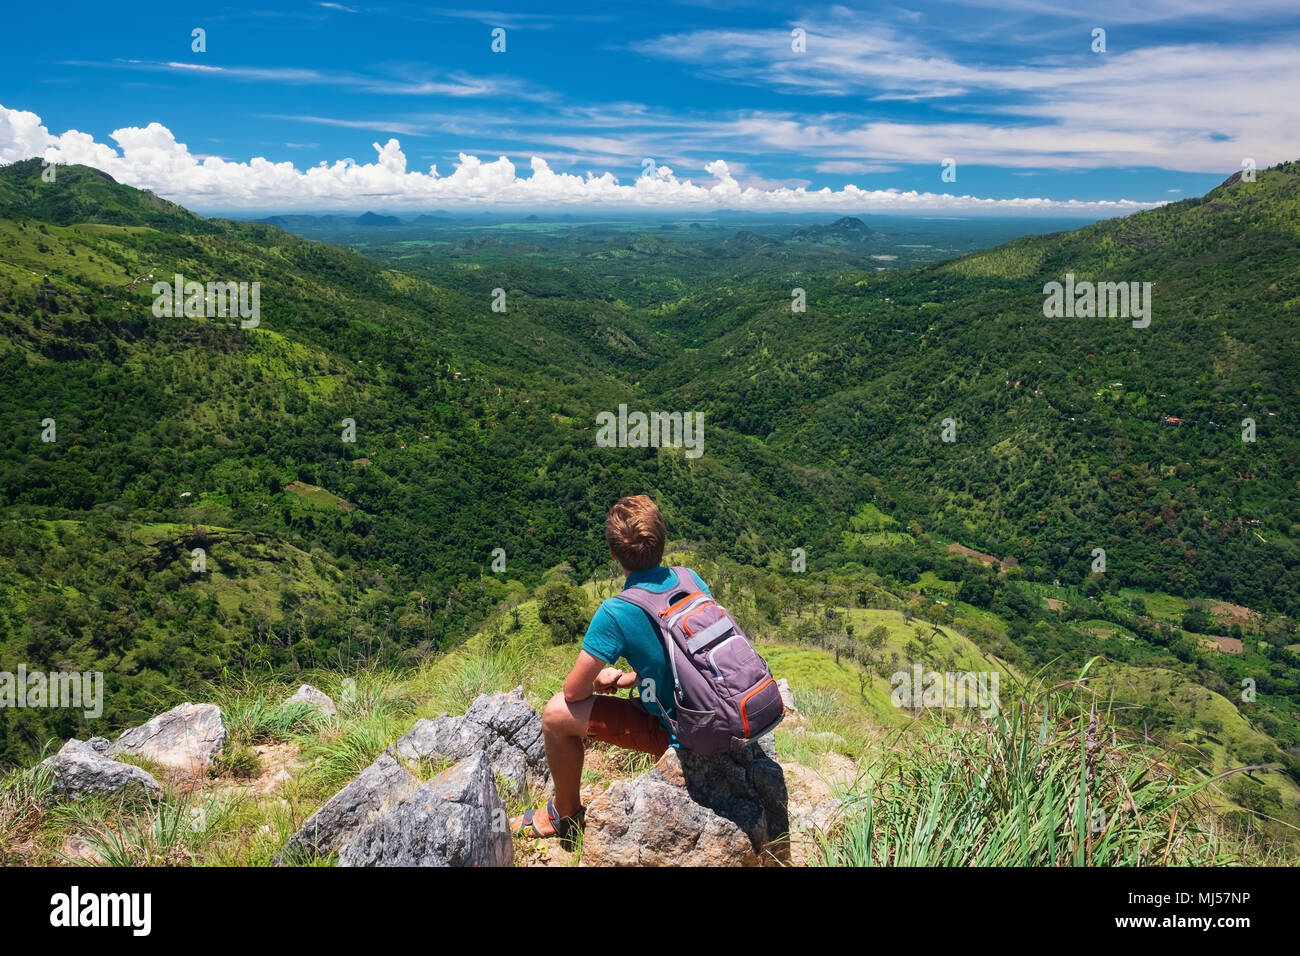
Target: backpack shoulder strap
[
  {"x": 648, "y": 601},
  {"x": 652, "y": 603},
  {"x": 685, "y": 579}
]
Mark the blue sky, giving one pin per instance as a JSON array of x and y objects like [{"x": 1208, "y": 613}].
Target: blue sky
[{"x": 731, "y": 114}]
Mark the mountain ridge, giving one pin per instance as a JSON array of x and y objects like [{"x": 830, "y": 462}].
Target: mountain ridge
[{"x": 474, "y": 433}]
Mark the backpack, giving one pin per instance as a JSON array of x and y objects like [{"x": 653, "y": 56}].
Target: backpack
[{"x": 723, "y": 689}]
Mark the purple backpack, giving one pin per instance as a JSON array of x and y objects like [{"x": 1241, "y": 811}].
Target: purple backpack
[{"x": 724, "y": 692}]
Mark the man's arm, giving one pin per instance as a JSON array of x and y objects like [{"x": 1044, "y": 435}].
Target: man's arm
[{"x": 592, "y": 675}]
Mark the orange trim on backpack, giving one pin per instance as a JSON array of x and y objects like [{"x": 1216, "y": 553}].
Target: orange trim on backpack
[
  {"x": 669, "y": 610},
  {"x": 691, "y": 615},
  {"x": 744, "y": 717}
]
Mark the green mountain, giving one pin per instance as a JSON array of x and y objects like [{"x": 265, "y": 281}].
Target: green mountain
[
  {"x": 1063, "y": 443},
  {"x": 471, "y": 376},
  {"x": 85, "y": 195}
]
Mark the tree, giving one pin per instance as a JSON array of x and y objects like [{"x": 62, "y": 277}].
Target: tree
[
  {"x": 565, "y": 610},
  {"x": 877, "y": 637},
  {"x": 1196, "y": 620}
]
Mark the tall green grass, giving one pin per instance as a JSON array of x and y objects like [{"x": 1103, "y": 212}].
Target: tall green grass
[
  {"x": 24, "y": 797},
  {"x": 1050, "y": 781},
  {"x": 173, "y": 830}
]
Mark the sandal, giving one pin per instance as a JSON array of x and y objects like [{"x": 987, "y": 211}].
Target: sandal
[{"x": 566, "y": 828}]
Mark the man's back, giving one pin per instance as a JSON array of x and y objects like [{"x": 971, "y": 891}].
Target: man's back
[{"x": 619, "y": 629}]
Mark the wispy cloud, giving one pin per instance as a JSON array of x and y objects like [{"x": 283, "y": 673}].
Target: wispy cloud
[
  {"x": 1190, "y": 106},
  {"x": 453, "y": 84},
  {"x": 374, "y": 125},
  {"x": 849, "y": 166}
]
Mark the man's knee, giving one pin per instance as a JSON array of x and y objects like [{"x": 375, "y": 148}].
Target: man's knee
[{"x": 562, "y": 719}]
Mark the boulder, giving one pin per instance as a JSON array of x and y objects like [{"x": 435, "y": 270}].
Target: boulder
[
  {"x": 306, "y": 694},
  {"x": 454, "y": 819},
  {"x": 691, "y": 810},
  {"x": 787, "y": 695},
  {"x": 185, "y": 738},
  {"x": 348, "y": 811},
  {"x": 79, "y": 769},
  {"x": 502, "y": 726}
]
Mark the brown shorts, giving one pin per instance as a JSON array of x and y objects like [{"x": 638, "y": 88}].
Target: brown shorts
[{"x": 625, "y": 723}]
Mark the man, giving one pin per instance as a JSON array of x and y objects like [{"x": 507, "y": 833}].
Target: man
[{"x": 635, "y": 533}]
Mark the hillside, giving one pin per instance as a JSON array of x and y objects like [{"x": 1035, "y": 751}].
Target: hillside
[
  {"x": 1061, "y": 444},
  {"x": 843, "y": 745},
  {"x": 473, "y": 431}
]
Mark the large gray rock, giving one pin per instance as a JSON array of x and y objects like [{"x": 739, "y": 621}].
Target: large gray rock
[
  {"x": 454, "y": 819},
  {"x": 79, "y": 770},
  {"x": 306, "y": 694},
  {"x": 501, "y": 726},
  {"x": 787, "y": 696},
  {"x": 689, "y": 810},
  {"x": 185, "y": 738},
  {"x": 348, "y": 811}
]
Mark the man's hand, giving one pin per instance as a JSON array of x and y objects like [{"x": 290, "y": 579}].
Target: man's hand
[{"x": 611, "y": 680}]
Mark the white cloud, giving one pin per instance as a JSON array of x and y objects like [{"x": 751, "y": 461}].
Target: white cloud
[
  {"x": 1192, "y": 107},
  {"x": 151, "y": 158},
  {"x": 1151, "y": 11}
]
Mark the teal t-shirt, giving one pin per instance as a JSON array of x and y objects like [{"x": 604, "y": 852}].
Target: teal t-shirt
[{"x": 619, "y": 629}]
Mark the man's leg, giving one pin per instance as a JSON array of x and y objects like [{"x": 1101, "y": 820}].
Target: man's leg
[
  {"x": 614, "y": 720},
  {"x": 564, "y": 725}
]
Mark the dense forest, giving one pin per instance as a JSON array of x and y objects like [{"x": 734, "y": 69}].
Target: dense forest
[{"x": 473, "y": 413}]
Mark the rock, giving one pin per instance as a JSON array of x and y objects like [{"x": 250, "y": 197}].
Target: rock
[
  {"x": 809, "y": 825},
  {"x": 823, "y": 817},
  {"x": 787, "y": 695},
  {"x": 77, "y": 850},
  {"x": 185, "y": 738},
  {"x": 814, "y": 810},
  {"x": 348, "y": 811},
  {"x": 691, "y": 810},
  {"x": 79, "y": 769},
  {"x": 306, "y": 694},
  {"x": 501, "y": 725},
  {"x": 454, "y": 819}
]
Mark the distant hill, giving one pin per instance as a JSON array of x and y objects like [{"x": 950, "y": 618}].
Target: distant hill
[
  {"x": 848, "y": 229},
  {"x": 294, "y": 222},
  {"x": 374, "y": 219},
  {"x": 744, "y": 241}
]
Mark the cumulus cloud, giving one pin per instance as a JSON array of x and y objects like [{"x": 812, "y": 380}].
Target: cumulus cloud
[{"x": 151, "y": 158}]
